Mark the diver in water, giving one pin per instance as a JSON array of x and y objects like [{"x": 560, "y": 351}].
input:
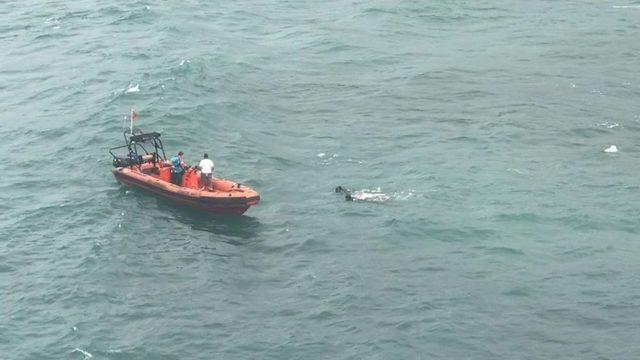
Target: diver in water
[
  {"x": 347, "y": 192},
  {"x": 362, "y": 195}
]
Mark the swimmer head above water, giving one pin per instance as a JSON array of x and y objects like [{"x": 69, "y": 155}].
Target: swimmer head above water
[{"x": 347, "y": 192}]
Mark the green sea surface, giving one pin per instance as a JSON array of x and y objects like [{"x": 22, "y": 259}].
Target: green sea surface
[{"x": 509, "y": 233}]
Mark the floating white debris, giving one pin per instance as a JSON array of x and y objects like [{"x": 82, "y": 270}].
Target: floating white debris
[
  {"x": 321, "y": 155},
  {"x": 611, "y": 149}
]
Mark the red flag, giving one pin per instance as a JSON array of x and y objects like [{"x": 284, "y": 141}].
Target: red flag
[{"x": 133, "y": 115}]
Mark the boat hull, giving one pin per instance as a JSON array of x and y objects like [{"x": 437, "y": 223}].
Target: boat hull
[{"x": 235, "y": 201}]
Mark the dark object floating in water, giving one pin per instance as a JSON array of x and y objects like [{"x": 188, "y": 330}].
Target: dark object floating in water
[
  {"x": 152, "y": 172},
  {"x": 362, "y": 195}
]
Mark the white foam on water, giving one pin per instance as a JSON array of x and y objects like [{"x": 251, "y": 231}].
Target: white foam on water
[
  {"x": 611, "y": 149},
  {"x": 131, "y": 88},
  {"x": 87, "y": 355},
  {"x": 370, "y": 195},
  {"x": 626, "y": 6},
  {"x": 321, "y": 155},
  {"x": 184, "y": 61},
  {"x": 609, "y": 125},
  {"x": 403, "y": 195}
]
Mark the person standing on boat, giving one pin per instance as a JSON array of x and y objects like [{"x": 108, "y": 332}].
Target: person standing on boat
[
  {"x": 206, "y": 172},
  {"x": 178, "y": 168}
]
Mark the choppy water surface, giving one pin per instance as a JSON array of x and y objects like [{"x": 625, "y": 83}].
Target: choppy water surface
[{"x": 509, "y": 234}]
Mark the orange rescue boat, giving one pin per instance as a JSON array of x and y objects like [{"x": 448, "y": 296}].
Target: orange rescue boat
[{"x": 151, "y": 171}]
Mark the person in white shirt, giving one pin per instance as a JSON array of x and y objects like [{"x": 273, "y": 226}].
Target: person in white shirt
[{"x": 206, "y": 173}]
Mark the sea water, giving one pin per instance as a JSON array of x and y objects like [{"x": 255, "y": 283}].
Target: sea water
[{"x": 509, "y": 232}]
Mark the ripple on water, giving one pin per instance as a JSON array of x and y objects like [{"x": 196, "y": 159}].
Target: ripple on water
[{"x": 506, "y": 220}]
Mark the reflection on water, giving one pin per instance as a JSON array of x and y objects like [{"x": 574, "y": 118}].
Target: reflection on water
[
  {"x": 228, "y": 225},
  {"x": 244, "y": 227}
]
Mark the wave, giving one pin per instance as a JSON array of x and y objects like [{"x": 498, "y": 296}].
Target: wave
[{"x": 87, "y": 355}]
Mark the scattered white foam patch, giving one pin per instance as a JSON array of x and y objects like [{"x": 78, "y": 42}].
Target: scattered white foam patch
[
  {"x": 611, "y": 149},
  {"x": 131, "y": 88},
  {"x": 52, "y": 20},
  {"x": 403, "y": 195},
  {"x": 327, "y": 159},
  {"x": 185, "y": 61},
  {"x": 626, "y": 6},
  {"x": 87, "y": 355},
  {"x": 609, "y": 125}
]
